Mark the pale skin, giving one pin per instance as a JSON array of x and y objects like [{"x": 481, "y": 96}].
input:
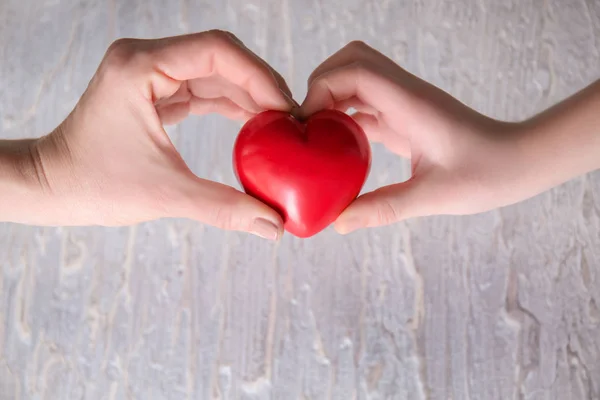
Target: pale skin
[
  {"x": 462, "y": 162},
  {"x": 111, "y": 163}
]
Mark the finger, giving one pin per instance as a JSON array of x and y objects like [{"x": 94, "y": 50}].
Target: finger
[
  {"x": 216, "y": 86},
  {"x": 182, "y": 95},
  {"x": 387, "y": 205},
  {"x": 370, "y": 125},
  {"x": 226, "y": 208},
  {"x": 281, "y": 83},
  {"x": 172, "y": 114},
  {"x": 221, "y": 105},
  {"x": 378, "y": 131},
  {"x": 214, "y": 52},
  {"x": 355, "y": 103},
  {"x": 353, "y": 52},
  {"x": 369, "y": 86},
  {"x": 360, "y": 86}
]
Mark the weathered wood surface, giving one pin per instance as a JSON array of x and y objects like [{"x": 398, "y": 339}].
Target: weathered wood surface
[{"x": 504, "y": 305}]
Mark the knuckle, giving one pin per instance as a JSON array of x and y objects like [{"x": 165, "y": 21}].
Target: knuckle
[
  {"x": 364, "y": 71},
  {"x": 318, "y": 77},
  {"x": 314, "y": 76},
  {"x": 387, "y": 213},
  {"x": 218, "y": 37},
  {"x": 120, "y": 52},
  {"x": 358, "y": 51},
  {"x": 358, "y": 46},
  {"x": 224, "y": 217},
  {"x": 355, "y": 68},
  {"x": 223, "y": 209},
  {"x": 360, "y": 68},
  {"x": 124, "y": 54}
]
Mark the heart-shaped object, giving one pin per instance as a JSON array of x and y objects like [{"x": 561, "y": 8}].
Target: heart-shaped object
[{"x": 309, "y": 171}]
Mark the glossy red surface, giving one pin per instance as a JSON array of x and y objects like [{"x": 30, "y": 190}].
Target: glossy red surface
[{"x": 308, "y": 171}]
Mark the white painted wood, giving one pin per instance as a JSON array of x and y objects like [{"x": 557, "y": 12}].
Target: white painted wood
[{"x": 504, "y": 305}]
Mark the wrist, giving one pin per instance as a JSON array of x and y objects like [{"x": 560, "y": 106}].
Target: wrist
[
  {"x": 557, "y": 147},
  {"x": 19, "y": 180}
]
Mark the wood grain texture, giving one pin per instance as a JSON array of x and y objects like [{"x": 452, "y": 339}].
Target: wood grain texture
[{"x": 503, "y": 305}]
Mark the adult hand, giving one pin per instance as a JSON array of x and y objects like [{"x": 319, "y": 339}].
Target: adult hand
[{"x": 112, "y": 163}]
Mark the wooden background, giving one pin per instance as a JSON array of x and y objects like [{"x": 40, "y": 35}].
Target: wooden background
[{"x": 503, "y": 305}]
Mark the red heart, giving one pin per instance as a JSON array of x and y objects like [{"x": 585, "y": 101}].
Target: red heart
[{"x": 308, "y": 171}]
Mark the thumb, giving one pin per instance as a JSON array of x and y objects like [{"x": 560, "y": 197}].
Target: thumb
[
  {"x": 384, "y": 206},
  {"x": 227, "y": 208}
]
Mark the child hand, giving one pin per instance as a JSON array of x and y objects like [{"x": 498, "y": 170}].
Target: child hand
[{"x": 462, "y": 162}]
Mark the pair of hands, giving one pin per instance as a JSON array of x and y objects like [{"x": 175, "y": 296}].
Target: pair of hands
[{"x": 111, "y": 162}]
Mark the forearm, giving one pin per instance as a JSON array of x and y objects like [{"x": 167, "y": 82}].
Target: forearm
[
  {"x": 17, "y": 180},
  {"x": 563, "y": 142}
]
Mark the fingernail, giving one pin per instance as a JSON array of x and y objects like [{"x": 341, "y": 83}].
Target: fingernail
[
  {"x": 295, "y": 111},
  {"x": 349, "y": 225},
  {"x": 265, "y": 229}
]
